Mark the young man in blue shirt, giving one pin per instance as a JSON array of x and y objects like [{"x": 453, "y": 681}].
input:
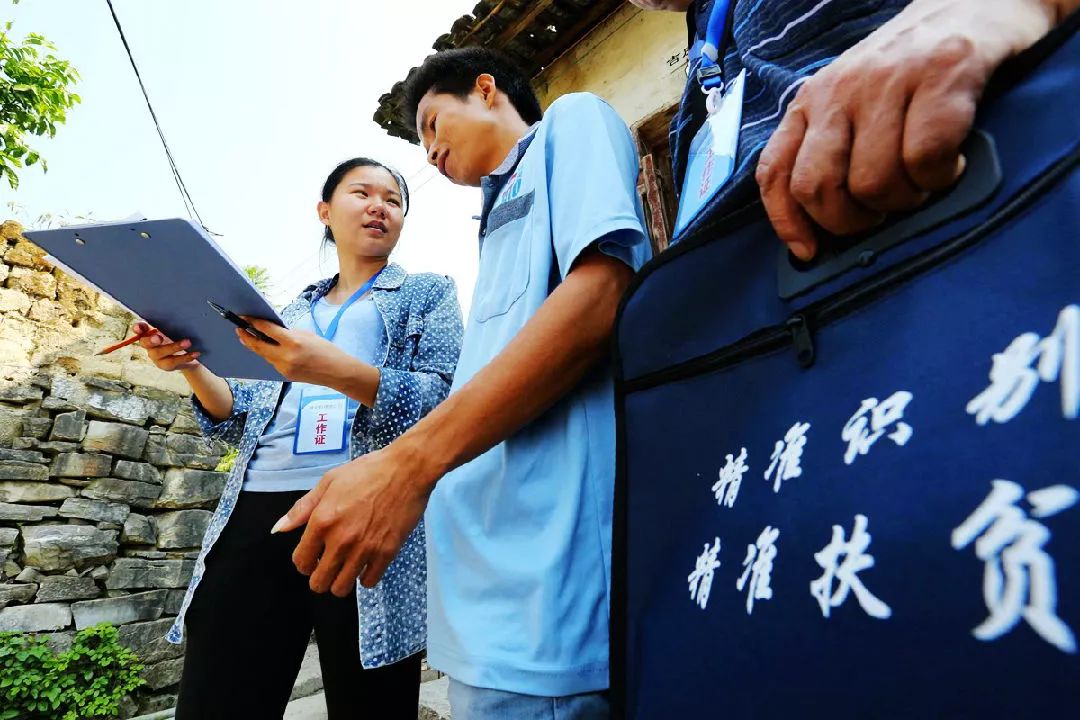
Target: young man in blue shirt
[{"x": 516, "y": 468}]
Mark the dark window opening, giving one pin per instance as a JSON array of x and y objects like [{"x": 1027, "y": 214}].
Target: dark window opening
[{"x": 655, "y": 183}]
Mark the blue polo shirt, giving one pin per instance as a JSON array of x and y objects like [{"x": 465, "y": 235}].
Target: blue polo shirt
[{"x": 519, "y": 539}]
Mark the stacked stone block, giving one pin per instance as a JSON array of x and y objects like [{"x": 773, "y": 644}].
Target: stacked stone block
[{"x": 106, "y": 486}]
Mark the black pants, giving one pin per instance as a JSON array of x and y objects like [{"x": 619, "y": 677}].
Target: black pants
[{"x": 250, "y": 622}]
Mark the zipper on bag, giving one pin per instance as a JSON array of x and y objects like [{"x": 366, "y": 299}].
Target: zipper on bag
[{"x": 797, "y": 331}]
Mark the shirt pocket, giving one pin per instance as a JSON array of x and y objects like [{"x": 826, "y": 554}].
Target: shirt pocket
[
  {"x": 504, "y": 261},
  {"x": 414, "y": 330}
]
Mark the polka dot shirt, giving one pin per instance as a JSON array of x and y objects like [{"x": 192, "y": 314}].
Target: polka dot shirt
[{"x": 420, "y": 350}]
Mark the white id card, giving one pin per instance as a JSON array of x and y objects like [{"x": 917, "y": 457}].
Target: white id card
[
  {"x": 712, "y": 152},
  {"x": 321, "y": 422}
]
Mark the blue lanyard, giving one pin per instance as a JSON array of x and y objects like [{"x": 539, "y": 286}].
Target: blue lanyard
[
  {"x": 711, "y": 74},
  {"x": 331, "y": 330}
]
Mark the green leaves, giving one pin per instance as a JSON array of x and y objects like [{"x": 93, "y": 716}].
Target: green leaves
[
  {"x": 260, "y": 278},
  {"x": 88, "y": 681},
  {"x": 35, "y": 95},
  {"x": 228, "y": 460}
]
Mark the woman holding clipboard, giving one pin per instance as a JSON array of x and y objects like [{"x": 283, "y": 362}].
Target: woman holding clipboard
[{"x": 369, "y": 352}]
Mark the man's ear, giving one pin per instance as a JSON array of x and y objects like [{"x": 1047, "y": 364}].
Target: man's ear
[
  {"x": 485, "y": 85},
  {"x": 323, "y": 209}
]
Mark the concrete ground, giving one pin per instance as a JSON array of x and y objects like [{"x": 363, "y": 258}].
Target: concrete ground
[
  {"x": 433, "y": 704},
  {"x": 308, "y": 702}
]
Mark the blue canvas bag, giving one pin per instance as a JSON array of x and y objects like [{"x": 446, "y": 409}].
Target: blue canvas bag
[{"x": 852, "y": 488}]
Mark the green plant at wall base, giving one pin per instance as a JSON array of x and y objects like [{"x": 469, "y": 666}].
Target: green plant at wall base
[
  {"x": 29, "y": 682},
  {"x": 87, "y": 681},
  {"x": 35, "y": 96}
]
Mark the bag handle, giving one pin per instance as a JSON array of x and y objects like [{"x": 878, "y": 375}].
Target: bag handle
[{"x": 980, "y": 181}]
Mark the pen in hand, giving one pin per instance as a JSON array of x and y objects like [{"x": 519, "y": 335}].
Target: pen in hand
[
  {"x": 241, "y": 323},
  {"x": 133, "y": 339}
]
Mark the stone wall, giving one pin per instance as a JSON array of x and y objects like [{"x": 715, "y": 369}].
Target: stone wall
[{"x": 106, "y": 486}]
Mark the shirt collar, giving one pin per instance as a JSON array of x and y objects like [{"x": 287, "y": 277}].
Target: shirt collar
[{"x": 515, "y": 152}]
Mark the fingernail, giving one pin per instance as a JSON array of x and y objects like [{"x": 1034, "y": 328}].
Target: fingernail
[
  {"x": 279, "y": 524},
  {"x": 961, "y": 165},
  {"x": 801, "y": 249},
  {"x": 185, "y": 343}
]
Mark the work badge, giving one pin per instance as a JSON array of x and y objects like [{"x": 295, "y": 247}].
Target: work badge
[
  {"x": 321, "y": 424},
  {"x": 712, "y": 151}
]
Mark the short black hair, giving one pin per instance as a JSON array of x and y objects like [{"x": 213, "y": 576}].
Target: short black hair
[
  {"x": 455, "y": 72},
  {"x": 338, "y": 174}
]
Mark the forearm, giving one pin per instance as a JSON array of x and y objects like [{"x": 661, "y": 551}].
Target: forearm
[
  {"x": 354, "y": 378},
  {"x": 1057, "y": 10},
  {"x": 1063, "y": 8},
  {"x": 1054, "y": 11},
  {"x": 1025, "y": 18},
  {"x": 564, "y": 340},
  {"x": 992, "y": 30},
  {"x": 212, "y": 391}
]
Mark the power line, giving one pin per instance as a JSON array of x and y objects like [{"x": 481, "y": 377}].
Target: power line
[
  {"x": 419, "y": 172},
  {"x": 421, "y": 185},
  {"x": 189, "y": 203}
]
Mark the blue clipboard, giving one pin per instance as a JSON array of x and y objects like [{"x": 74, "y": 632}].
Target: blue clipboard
[{"x": 164, "y": 271}]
